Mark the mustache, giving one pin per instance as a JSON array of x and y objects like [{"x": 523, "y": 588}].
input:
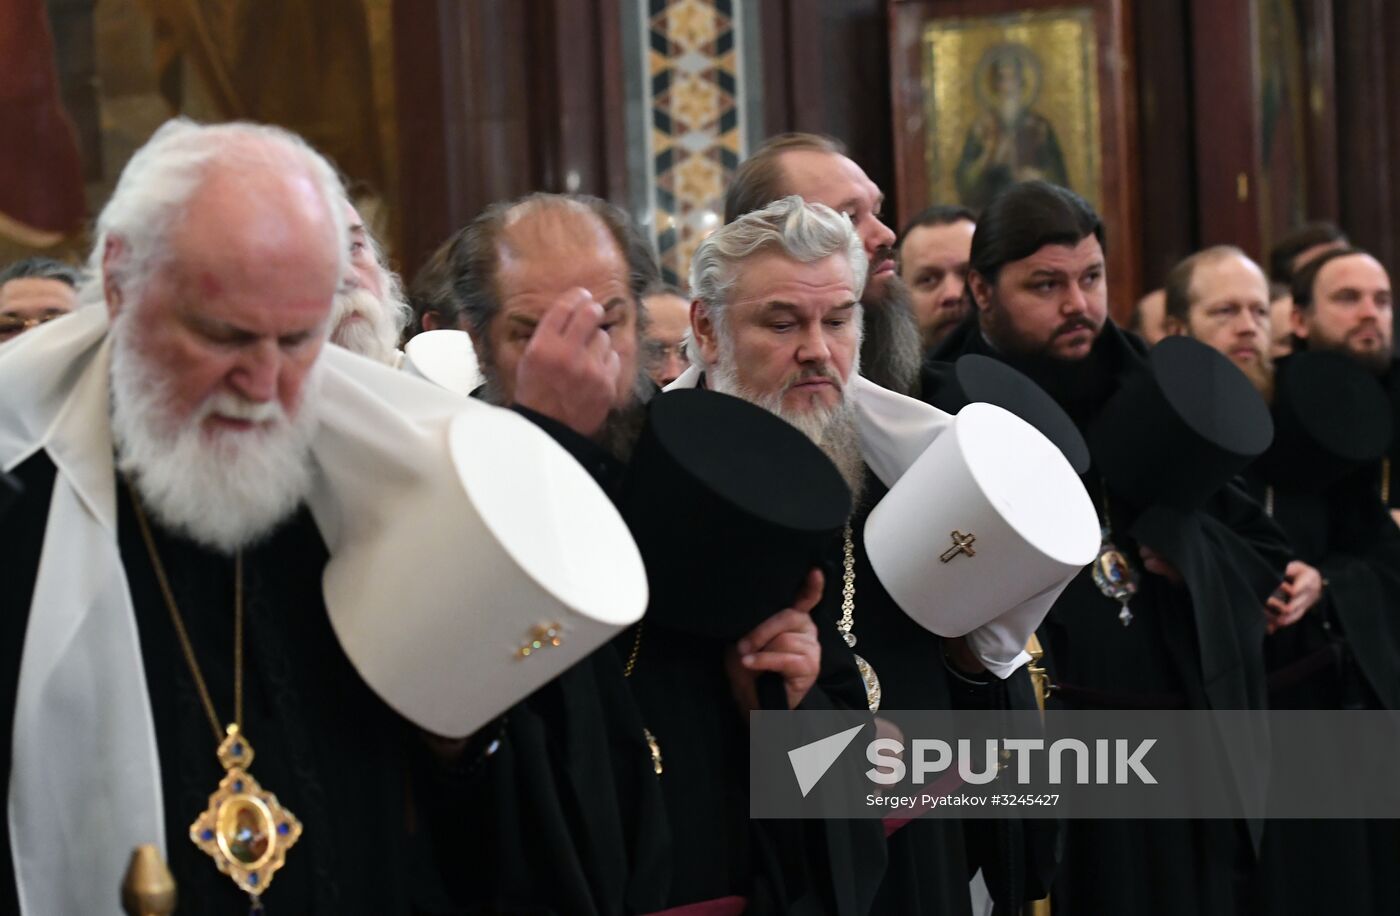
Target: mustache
[
  {"x": 228, "y": 405},
  {"x": 1077, "y": 323},
  {"x": 814, "y": 372},
  {"x": 882, "y": 254},
  {"x": 1366, "y": 327}
]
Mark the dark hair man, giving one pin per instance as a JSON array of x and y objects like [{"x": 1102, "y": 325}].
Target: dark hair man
[
  {"x": 1327, "y": 649},
  {"x": 1342, "y": 301},
  {"x": 1300, "y": 246},
  {"x": 33, "y": 291},
  {"x": 1038, "y": 284},
  {"x": 933, "y": 253},
  {"x": 818, "y": 170}
]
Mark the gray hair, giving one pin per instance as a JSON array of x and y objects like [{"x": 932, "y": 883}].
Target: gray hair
[
  {"x": 395, "y": 300},
  {"x": 41, "y": 268},
  {"x": 803, "y": 231},
  {"x": 159, "y": 180}
]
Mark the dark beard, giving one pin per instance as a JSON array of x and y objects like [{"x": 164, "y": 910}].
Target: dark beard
[
  {"x": 622, "y": 429},
  {"x": 1376, "y": 362},
  {"x": 1079, "y": 386},
  {"x": 892, "y": 348}
]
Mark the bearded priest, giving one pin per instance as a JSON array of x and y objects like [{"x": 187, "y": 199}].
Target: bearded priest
[
  {"x": 201, "y": 563},
  {"x": 777, "y": 321}
]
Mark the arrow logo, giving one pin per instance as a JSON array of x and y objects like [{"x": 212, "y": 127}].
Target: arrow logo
[{"x": 811, "y": 761}]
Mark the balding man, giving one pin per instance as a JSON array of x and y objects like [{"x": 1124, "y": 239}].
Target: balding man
[{"x": 563, "y": 265}]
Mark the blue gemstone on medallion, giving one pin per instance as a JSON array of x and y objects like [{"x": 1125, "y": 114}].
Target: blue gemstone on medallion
[
  {"x": 238, "y": 785},
  {"x": 253, "y": 879},
  {"x": 238, "y": 750},
  {"x": 207, "y": 836},
  {"x": 284, "y": 829}
]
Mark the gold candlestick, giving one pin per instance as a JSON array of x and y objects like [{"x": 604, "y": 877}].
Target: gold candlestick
[{"x": 148, "y": 888}]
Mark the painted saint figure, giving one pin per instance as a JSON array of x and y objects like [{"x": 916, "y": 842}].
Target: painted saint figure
[{"x": 1008, "y": 142}]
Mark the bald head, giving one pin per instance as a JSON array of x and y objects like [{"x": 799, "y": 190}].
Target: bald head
[
  {"x": 242, "y": 224},
  {"x": 517, "y": 260}
]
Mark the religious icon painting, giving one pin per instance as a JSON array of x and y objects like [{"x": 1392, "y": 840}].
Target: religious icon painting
[
  {"x": 1008, "y": 99},
  {"x": 987, "y": 93}
]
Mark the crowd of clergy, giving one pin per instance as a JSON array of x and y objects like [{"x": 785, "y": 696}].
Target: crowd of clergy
[{"x": 323, "y": 594}]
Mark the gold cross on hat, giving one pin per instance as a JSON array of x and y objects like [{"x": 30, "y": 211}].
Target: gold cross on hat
[{"x": 962, "y": 543}]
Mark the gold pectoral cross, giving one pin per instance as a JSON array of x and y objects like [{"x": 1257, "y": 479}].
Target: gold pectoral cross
[{"x": 962, "y": 543}]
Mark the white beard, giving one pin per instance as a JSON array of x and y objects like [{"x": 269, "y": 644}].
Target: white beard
[
  {"x": 225, "y": 490},
  {"x": 376, "y": 336},
  {"x": 833, "y": 429}
]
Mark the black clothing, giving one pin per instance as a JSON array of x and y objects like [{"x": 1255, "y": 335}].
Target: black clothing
[
  {"x": 1343, "y": 654},
  {"x": 685, "y": 701},
  {"x": 932, "y": 859},
  {"x": 334, "y": 754},
  {"x": 556, "y": 818},
  {"x": 1197, "y": 646}
]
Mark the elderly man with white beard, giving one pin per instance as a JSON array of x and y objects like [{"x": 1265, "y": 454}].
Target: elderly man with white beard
[
  {"x": 777, "y": 321},
  {"x": 163, "y": 616},
  {"x": 370, "y": 311}
]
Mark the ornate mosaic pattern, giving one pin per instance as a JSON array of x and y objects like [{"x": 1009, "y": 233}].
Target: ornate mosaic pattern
[{"x": 696, "y": 137}]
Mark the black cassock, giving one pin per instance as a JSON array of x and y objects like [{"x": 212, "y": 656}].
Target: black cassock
[
  {"x": 932, "y": 859},
  {"x": 1386, "y": 477},
  {"x": 543, "y": 825},
  {"x": 1343, "y": 654},
  {"x": 1198, "y": 646},
  {"x": 685, "y": 701}
]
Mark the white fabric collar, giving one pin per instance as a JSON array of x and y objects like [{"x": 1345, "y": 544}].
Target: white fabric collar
[{"x": 894, "y": 429}]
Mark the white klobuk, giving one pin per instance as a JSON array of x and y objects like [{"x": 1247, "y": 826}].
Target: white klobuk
[
  {"x": 986, "y": 474},
  {"x": 982, "y": 533},
  {"x": 445, "y": 358},
  {"x": 459, "y": 536}
]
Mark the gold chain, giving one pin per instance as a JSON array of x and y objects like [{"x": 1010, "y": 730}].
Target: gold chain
[
  {"x": 848, "y": 587},
  {"x": 636, "y": 650},
  {"x": 185, "y": 643},
  {"x": 653, "y": 746}
]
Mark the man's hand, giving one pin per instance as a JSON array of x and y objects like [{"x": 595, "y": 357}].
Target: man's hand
[
  {"x": 569, "y": 371},
  {"x": 785, "y": 644},
  {"x": 961, "y": 655},
  {"x": 1155, "y": 563},
  {"x": 1301, "y": 589}
]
